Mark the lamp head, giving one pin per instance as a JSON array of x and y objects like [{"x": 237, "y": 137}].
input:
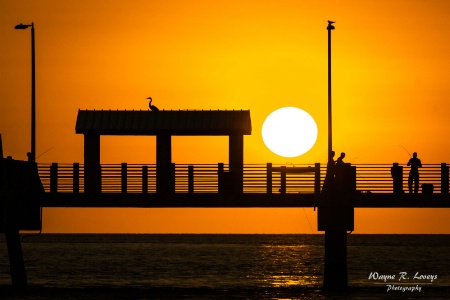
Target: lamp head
[{"x": 22, "y": 26}]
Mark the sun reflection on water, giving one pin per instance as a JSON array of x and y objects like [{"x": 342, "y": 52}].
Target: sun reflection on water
[{"x": 287, "y": 266}]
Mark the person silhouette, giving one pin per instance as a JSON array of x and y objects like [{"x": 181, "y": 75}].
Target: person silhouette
[
  {"x": 415, "y": 164},
  {"x": 329, "y": 176},
  {"x": 331, "y": 161},
  {"x": 340, "y": 160},
  {"x": 339, "y": 171}
]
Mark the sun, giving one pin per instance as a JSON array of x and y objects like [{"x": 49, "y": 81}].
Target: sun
[{"x": 289, "y": 132}]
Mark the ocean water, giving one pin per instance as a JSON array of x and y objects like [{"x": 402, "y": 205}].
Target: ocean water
[{"x": 184, "y": 266}]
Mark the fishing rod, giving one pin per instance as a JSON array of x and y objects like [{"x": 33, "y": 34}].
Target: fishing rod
[
  {"x": 406, "y": 151},
  {"x": 45, "y": 152}
]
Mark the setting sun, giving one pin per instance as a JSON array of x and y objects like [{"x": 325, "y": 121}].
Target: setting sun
[{"x": 289, "y": 132}]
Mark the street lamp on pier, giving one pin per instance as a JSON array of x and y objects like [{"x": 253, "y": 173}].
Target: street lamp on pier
[
  {"x": 32, "y": 156},
  {"x": 330, "y": 132}
]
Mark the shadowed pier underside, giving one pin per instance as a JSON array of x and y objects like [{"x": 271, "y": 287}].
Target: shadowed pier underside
[{"x": 247, "y": 200}]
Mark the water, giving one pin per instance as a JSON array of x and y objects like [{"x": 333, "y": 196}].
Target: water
[{"x": 224, "y": 266}]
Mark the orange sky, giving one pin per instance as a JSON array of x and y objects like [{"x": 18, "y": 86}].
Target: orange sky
[{"x": 390, "y": 89}]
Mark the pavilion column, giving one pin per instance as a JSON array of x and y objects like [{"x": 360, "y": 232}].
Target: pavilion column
[
  {"x": 165, "y": 177},
  {"x": 236, "y": 161},
  {"x": 92, "y": 169}
]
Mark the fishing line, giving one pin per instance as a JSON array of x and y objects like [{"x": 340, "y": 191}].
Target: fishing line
[
  {"x": 310, "y": 227},
  {"x": 45, "y": 152},
  {"x": 29, "y": 234},
  {"x": 406, "y": 150},
  {"x": 35, "y": 234}
]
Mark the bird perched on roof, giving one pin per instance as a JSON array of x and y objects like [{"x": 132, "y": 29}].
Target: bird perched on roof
[
  {"x": 152, "y": 107},
  {"x": 330, "y": 25}
]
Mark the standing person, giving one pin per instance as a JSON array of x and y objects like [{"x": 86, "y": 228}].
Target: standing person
[
  {"x": 339, "y": 171},
  {"x": 340, "y": 160},
  {"x": 329, "y": 177},
  {"x": 331, "y": 163},
  {"x": 415, "y": 164}
]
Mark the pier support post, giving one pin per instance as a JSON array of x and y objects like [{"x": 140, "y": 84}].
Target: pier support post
[
  {"x": 10, "y": 201},
  {"x": 20, "y": 192},
  {"x": 13, "y": 243},
  {"x": 335, "y": 264},
  {"x": 335, "y": 216}
]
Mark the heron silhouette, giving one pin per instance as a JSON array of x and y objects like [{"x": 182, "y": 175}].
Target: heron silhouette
[
  {"x": 152, "y": 107},
  {"x": 330, "y": 25}
]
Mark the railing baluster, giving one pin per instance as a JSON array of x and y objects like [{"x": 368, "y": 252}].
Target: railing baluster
[
  {"x": 220, "y": 178},
  {"x": 269, "y": 178},
  {"x": 283, "y": 180},
  {"x": 397, "y": 177},
  {"x": 76, "y": 178},
  {"x": 144, "y": 179},
  {"x": 444, "y": 179},
  {"x": 124, "y": 178},
  {"x": 172, "y": 178},
  {"x": 317, "y": 178},
  {"x": 190, "y": 179},
  {"x": 54, "y": 178}
]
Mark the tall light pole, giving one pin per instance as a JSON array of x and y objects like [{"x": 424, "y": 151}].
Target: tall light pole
[
  {"x": 32, "y": 157},
  {"x": 330, "y": 132}
]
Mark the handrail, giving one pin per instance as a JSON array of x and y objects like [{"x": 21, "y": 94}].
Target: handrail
[{"x": 204, "y": 178}]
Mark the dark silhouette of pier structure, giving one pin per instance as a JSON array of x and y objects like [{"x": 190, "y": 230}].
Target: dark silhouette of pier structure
[{"x": 27, "y": 187}]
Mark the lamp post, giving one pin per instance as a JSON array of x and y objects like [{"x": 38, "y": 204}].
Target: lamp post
[
  {"x": 32, "y": 156},
  {"x": 330, "y": 132},
  {"x": 334, "y": 214}
]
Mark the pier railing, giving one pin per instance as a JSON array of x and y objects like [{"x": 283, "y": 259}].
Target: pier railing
[{"x": 258, "y": 178}]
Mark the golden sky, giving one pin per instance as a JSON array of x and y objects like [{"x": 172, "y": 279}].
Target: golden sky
[{"x": 391, "y": 67}]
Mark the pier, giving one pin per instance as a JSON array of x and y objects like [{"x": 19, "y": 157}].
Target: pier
[
  {"x": 27, "y": 187},
  {"x": 264, "y": 185}
]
